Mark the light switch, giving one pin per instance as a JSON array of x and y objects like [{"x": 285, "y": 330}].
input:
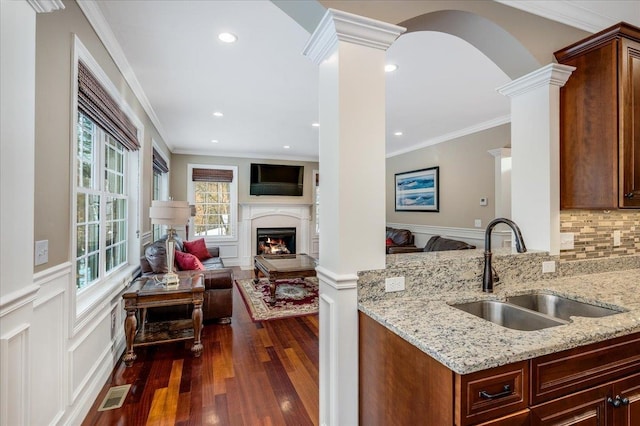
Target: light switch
[
  {"x": 42, "y": 252},
  {"x": 566, "y": 240},
  {"x": 484, "y": 201}
]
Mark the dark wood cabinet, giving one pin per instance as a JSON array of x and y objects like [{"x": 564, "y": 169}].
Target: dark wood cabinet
[
  {"x": 600, "y": 121},
  {"x": 596, "y": 384}
]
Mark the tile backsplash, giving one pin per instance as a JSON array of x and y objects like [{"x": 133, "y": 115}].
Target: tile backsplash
[{"x": 594, "y": 233}]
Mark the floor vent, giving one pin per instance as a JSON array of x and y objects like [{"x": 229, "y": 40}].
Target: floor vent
[{"x": 115, "y": 397}]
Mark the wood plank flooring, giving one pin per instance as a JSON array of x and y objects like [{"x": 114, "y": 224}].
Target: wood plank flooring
[{"x": 263, "y": 373}]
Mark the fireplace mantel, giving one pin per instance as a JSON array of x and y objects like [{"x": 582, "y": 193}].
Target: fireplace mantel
[{"x": 258, "y": 215}]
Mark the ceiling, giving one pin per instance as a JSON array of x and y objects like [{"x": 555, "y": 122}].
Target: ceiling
[{"x": 267, "y": 90}]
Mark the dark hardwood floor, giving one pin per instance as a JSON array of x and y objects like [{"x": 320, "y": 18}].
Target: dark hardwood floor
[{"x": 263, "y": 373}]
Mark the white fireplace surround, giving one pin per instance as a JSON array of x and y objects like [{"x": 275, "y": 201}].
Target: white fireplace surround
[{"x": 262, "y": 215}]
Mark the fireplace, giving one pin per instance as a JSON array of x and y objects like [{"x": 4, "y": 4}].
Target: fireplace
[{"x": 276, "y": 241}]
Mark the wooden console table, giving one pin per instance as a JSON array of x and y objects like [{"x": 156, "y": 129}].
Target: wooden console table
[
  {"x": 279, "y": 267},
  {"x": 148, "y": 292}
]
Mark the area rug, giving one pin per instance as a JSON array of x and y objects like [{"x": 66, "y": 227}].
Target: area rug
[{"x": 294, "y": 298}]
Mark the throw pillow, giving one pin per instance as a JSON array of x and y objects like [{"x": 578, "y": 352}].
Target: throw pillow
[
  {"x": 188, "y": 262},
  {"x": 197, "y": 248},
  {"x": 156, "y": 255},
  {"x": 389, "y": 242}
]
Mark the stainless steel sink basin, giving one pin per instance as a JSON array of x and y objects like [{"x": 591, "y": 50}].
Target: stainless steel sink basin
[
  {"x": 558, "y": 306},
  {"x": 508, "y": 315}
]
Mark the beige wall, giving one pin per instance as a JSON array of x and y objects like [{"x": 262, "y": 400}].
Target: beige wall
[
  {"x": 179, "y": 178},
  {"x": 54, "y": 46},
  {"x": 466, "y": 175}
]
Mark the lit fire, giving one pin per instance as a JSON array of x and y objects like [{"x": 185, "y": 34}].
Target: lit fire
[{"x": 273, "y": 246}]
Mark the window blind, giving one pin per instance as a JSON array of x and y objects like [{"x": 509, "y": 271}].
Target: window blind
[
  {"x": 212, "y": 175},
  {"x": 159, "y": 165},
  {"x": 97, "y": 104}
]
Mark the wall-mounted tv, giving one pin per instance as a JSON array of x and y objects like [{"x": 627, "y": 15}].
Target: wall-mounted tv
[{"x": 276, "y": 179}]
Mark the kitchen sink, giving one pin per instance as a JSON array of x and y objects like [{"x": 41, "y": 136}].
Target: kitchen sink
[
  {"x": 558, "y": 306},
  {"x": 508, "y": 315}
]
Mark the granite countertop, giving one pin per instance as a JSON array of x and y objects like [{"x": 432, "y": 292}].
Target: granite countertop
[{"x": 465, "y": 343}]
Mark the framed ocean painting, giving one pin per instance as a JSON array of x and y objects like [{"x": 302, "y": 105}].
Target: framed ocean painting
[{"x": 418, "y": 190}]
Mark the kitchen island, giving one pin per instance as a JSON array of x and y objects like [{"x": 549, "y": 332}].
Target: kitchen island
[{"x": 447, "y": 358}]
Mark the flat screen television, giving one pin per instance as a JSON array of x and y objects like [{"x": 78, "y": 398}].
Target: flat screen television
[{"x": 276, "y": 179}]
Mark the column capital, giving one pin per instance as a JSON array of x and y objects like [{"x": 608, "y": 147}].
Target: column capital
[
  {"x": 500, "y": 152},
  {"x": 549, "y": 75},
  {"x": 337, "y": 26},
  {"x": 46, "y": 6}
]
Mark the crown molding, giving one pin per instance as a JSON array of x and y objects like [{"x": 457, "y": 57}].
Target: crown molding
[
  {"x": 454, "y": 135},
  {"x": 239, "y": 154},
  {"x": 565, "y": 12},
  {"x": 549, "y": 75},
  {"x": 337, "y": 25},
  {"x": 46, "y": 6},
  {"x": 102, "y": 28}
]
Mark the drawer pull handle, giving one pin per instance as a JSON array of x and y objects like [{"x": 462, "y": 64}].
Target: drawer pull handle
[
  {"x": 618, "y": 401},
  {"x": 629, "y": 195},
  {"x": 506, "y": 391}
]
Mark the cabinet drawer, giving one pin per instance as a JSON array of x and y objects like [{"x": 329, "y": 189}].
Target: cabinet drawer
[
  {"x": 559, "y": 374},
  {"x": 489, "y": 394}
]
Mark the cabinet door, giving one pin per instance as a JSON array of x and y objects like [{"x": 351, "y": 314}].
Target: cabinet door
[
  {"x": 629, "y": 124},
  {"x": 586, "y": 408},
  {"x": 517, "y": 419},
  {"x": 628, "y": 413}
]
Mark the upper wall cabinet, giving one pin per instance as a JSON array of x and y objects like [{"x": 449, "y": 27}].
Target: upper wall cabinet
[{"x": 600, "y": 121}]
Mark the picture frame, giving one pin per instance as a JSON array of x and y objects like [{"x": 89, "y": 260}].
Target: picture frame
[{"x": 418, "y": 190}]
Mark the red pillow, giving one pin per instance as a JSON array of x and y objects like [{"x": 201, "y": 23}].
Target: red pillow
[
  {"x": 389, "y": 242},
  {"x": 188, "y": 262},
  {"x": 197, "y": 248}
]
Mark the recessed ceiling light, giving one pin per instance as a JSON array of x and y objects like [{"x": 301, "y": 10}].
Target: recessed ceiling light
[
  {"x": 286, "y": 147},
  {"x": 218, "y": 114},
  {"x": 315, "y": 124},
  {"x": 398, "y": 133},
  {"x": 227, "y": 37},
  {"x": 390, "y": 67},
  {"x": 214, "y": 140}
]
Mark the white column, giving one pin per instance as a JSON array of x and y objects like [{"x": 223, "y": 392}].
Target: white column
[
  {"x": 351, "y": 53},
  {"x": 502, "y": 185},
  {"x": 535, "y": 149}
]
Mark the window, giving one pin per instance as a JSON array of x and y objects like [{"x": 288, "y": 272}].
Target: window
[
  {"x": 213, "y": 191},
  {"x": 160, "y": 171},
  {"x": 104, "y": 187}
]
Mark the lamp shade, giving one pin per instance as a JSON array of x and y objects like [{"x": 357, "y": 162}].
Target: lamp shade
[{"x": 169, "y": 212}]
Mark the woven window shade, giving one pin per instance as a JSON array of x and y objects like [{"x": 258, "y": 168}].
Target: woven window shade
[
  {"x": 97, "y": 104},
  {"x": 212, "y": 175},
  {"x": 159, "y": 165}
]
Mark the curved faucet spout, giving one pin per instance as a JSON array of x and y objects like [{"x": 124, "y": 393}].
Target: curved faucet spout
[{"x": 487, "y": 276}]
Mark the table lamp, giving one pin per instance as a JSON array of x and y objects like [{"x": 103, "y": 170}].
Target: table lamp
[{"x": 169, "y": 213}]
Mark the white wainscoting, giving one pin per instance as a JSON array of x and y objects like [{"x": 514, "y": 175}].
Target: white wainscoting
[
  {"x": 48, "y": 375},
  {"x": 475, "y": 236}
]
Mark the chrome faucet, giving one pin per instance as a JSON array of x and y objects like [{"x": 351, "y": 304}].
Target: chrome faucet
[{"x": 487, "y": 276}]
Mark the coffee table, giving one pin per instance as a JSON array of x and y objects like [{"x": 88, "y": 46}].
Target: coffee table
[
  {"x": 149, "y": 292},
  {"x": 280, "y": 267}
]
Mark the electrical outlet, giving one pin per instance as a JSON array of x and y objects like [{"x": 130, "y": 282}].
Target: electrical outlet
[
  {"x": 394, "y": 284},
  {"x": 42, "y": 252},
  {"x": 549, "y": 266},
  {"x": 616, "y": 238},
  {"x": 477, "y": 223},
  {"x": 566, "y": 240}
]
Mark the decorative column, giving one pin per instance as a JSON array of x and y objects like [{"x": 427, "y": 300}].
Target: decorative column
[
  {"x": 502, "y": 185},
  {"x": 535, "y": 148},
  {"x": 350, "y": 51}
]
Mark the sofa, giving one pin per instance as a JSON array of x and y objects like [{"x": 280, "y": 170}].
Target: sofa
[
  {"x": 399, "y": 238},
  {"x": 435, "y": 243},
  {"x": 218, "y": 280}
]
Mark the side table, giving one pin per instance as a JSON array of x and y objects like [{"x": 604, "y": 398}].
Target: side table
[{"x": 148, "y": 292}]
